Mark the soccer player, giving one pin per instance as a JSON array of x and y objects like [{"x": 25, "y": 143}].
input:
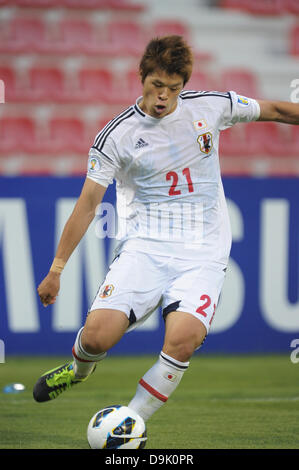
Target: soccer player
[{"x": 174, "y": 237}]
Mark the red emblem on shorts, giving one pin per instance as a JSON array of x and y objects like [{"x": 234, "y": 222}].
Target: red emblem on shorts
[{"x": 106, "y": 291}]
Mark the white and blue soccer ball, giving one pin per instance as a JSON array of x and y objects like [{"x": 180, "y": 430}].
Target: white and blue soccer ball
[{"x": 116, "y": 427}]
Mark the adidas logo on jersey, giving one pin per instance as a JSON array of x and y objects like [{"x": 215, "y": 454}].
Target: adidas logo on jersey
[{"x": 141, "y": 143}]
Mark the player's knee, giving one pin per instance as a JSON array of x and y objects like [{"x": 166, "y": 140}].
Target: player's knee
[
  {"x": 92, "y": 342},
  {"x": 179, "y": 350},
  {"x": 182, "y": 348},
  {"x": 102, "y": 330}
]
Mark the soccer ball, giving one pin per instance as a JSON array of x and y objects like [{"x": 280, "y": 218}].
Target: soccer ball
[{"x": 116, "y": 427}]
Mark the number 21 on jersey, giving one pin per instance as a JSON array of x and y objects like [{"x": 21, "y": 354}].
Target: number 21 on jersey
[{"x": 174, "y": 178}]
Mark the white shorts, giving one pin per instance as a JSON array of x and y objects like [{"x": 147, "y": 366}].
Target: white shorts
[{"x": 137, "y": 283}]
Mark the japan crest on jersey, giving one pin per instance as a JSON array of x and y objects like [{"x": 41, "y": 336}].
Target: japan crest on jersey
[
  {"x": 106, "y": 291},
  {"x": 205, "y": 142}
]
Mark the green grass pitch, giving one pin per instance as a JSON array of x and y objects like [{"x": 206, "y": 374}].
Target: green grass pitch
[{"x": 223, "y": 402}]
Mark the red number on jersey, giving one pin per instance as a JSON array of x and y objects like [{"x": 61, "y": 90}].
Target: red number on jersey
[
  {"x": 172, "y": 175},
  {"x": 186, "y": 173},
  {"x": 207, "y": 303},
  {"x": 213, "y": 314}
]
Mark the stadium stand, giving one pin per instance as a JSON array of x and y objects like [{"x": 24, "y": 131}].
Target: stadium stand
[
  {"x": 23, "y": 35},
  {"x": 65, "y": 135},
  {"x": 86, "y": 4},
  {"x": 292, "y": 6},
  {"x": 268, "y": 138},
  {"x": 45, "y": 84},
  {"x": 171, "y": 27},
  {"x": 8, "y": 75},
  {"x": 294, "y": 40},
  {"x": 75, "y": 36},
  {"x": 70, "y": 65},
  {"x": 128, "y": 87},
  {"x": 124, "y": 37},
  {"x": 233, "y": 143},
  {"x": 242, "y": 80},
  {"x": 95, "y": 85},
  {"x": 294, "y": 142},
  {"x": 264, "y": 7},
  {"x": 17, "y": 134},
  {"x": 201, "y": 80}
]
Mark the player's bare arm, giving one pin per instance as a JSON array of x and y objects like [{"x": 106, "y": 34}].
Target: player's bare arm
[
  {"x": 280, "y": 111},
  {"x": 84, "y": 211}
]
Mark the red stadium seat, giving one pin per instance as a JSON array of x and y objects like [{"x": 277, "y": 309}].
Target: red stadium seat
[
  {"x": 243, "y": 81},
  {"x": 268, "y": 138},
  {"x": 233, "y": 4},
  {"x": 82, "y": 4},
  {"x": 45, "y": 84},
  {"x": 17, "y": 134},
  {"x": 76, "y": 35},
  {"x": 124, "y": 37},
  {"x": 266, "y": 7},
  {"x": 233, "y": 142},
  {"x": 258, "y": 148},
  {"x": 37, "y": 3},
  {"x": 8, "y": 75},
  {"x": 103, "y": 121},
  {"x": 294, "y": 141},
  {"x": 134, "y": 84},
  {"x": 93, "y": 128},
  {"x": 256, "y": 7},
  {"x": 200, "y": 81},
  {"x": 163, "y": 28},
  {"x": 95, "y": 85},
  {"x": 66, "y": 135},
  {"x": 292, "y": 6},
  {"x": 294, "y": 40},
  {"x": 103, "y": 4},
  {"x": 24, "y": 35},
  {"x": 129, "y": 87}
]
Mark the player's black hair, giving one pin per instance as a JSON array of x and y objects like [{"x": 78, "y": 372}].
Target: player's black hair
[{"x": 168, "y": 53}]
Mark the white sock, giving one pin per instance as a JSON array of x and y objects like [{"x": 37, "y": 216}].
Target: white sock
[
  {"x": 157, "y": 385},
  {"x": 84, "y": 362}
]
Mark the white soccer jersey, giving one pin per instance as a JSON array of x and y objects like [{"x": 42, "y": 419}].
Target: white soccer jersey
[{"x": 170, "y": 198}]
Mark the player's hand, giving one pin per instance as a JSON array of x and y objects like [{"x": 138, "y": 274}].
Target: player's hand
[{"x": 49, "y": 288}]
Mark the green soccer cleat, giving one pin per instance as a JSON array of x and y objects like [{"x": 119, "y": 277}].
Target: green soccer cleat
[{"x": 56, "y": 381}]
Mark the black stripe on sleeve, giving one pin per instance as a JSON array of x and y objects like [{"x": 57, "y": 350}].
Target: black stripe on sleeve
[
  {"x": 102, "y": 153},
  {"x": 104, "y": 138},
  {"x": 192, "y": 95},
  {"x": 110, "y": 126},
  {"x": 231, "y": 101}
]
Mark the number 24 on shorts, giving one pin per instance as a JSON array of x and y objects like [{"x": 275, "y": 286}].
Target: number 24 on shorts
[{"x": 207, "y": 303}]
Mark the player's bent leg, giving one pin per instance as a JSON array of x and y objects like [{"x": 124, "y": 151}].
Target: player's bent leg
[
  {"x": 104, "y": 328},
  {"x": 184, "y": 333}
]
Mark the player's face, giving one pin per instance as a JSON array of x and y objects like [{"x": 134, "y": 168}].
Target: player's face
[{"x": 160, "y": 93}]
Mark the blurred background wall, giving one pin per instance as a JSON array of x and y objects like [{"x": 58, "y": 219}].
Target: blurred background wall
[{"x": 66, "y": 68}]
